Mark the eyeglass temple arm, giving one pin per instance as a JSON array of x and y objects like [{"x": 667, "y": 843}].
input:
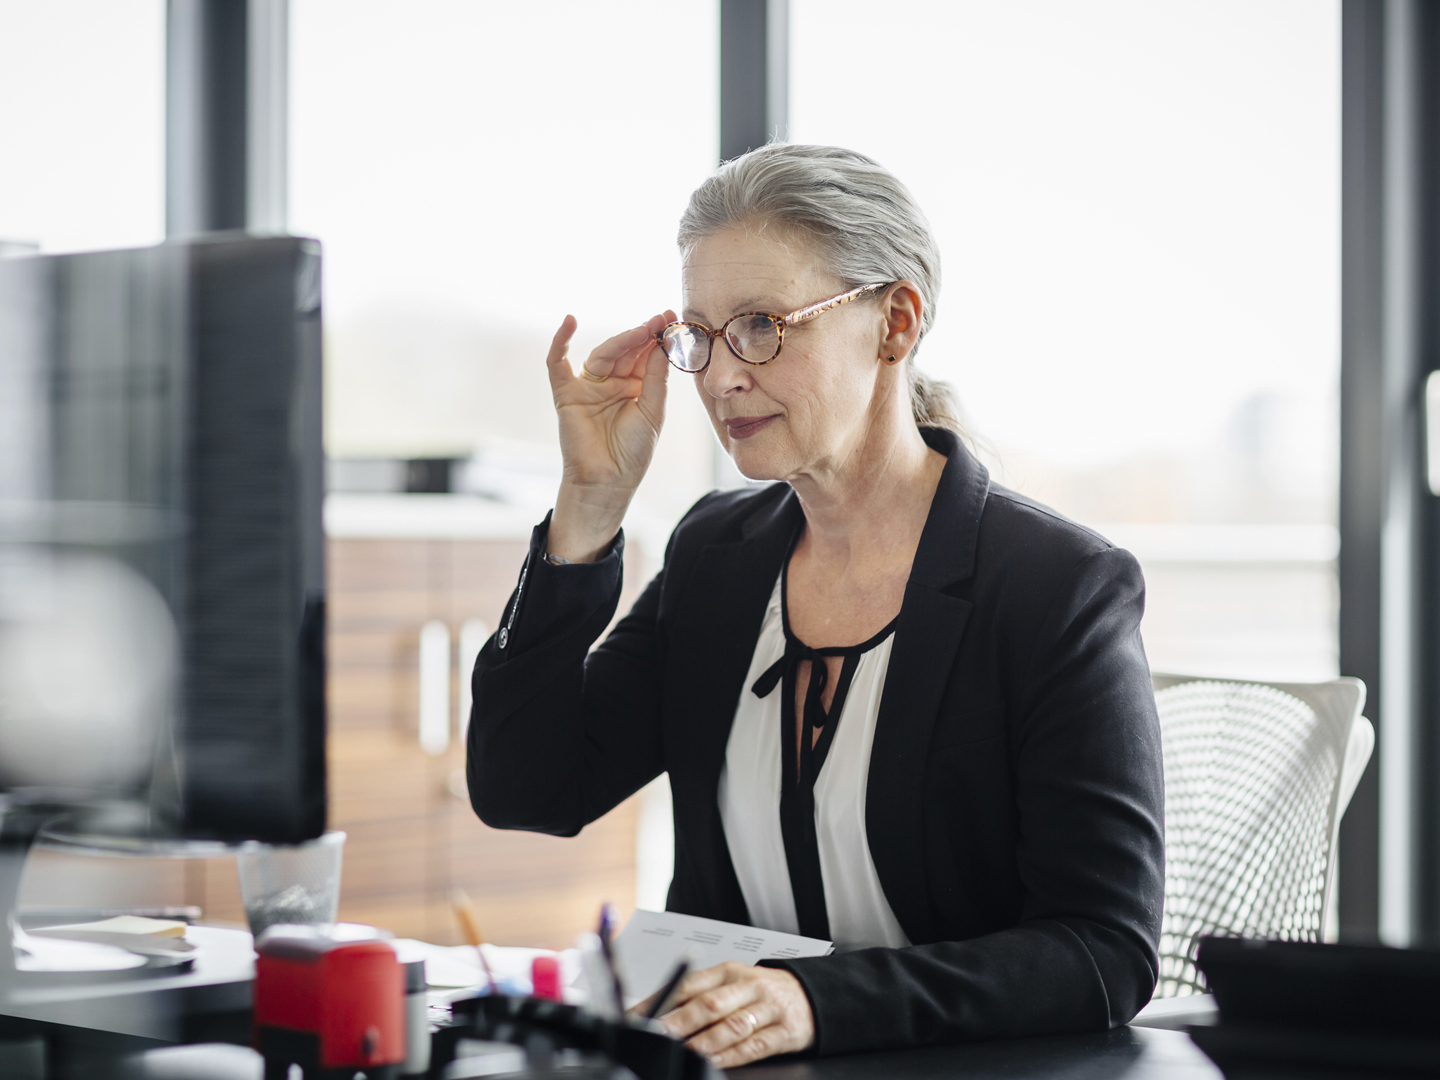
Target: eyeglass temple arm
[{"x": 807, "y": 313}]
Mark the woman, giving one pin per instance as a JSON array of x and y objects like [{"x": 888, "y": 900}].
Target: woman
[{"x": 900, "y": 707}]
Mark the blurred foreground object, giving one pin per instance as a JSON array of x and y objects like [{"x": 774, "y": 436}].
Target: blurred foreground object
[
  {"x": 291, "y": 883},
  {"x": 161, "y": 553},
  {"x": 329, "y": 1001},
  {"x": 87, "y": 674},
  {"x": 1310, "y": 1009},
  {"x": 162, "y": 568}
]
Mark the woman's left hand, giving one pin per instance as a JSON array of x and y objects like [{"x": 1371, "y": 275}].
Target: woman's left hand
[{"x": 735, "y": 1014}]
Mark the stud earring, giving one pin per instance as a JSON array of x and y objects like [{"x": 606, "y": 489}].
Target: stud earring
[{"x": 891, "y": 360}]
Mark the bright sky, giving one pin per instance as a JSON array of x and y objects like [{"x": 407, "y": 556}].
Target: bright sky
[{"x": 1137, "y": 201}]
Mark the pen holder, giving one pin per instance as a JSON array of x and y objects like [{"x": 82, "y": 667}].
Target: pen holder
[{"x": 545, "y": 1028}]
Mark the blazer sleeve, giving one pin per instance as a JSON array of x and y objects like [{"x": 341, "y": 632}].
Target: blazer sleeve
[
  {"x": 559, "y": 735},
  {"x": 1085, "y": 754}
]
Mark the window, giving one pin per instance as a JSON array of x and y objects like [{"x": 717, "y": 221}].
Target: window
[
  {"x": 1138, "y": 208},
  {"x": 476, "y": 171},
  {"x": 82, "y": 124}
]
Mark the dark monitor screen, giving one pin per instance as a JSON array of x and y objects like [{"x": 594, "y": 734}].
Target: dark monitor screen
[{"x": 162, "y": 570}]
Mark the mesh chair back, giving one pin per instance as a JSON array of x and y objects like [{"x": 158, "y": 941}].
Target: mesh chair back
[{"x": 1257, "y": 776}]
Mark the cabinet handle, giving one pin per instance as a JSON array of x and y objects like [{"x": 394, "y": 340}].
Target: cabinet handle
[
  {"x": 435, "y": 687},
  {"x": 473, "y": 634}
]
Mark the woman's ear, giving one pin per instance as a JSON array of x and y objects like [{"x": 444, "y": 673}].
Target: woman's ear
[{"x": 902, "y": 307}]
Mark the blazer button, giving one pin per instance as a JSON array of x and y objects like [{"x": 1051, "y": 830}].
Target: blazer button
[{"x": 504, "y": 636}]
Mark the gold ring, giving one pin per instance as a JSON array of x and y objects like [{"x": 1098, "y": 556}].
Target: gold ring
[{"x": 587, "y": 373}]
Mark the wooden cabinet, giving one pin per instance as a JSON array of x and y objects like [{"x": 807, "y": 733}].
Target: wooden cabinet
[{"x": 412, "y": 834}]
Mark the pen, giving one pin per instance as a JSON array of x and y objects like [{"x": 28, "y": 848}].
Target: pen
[
  {"x": 470, "y": 927},
  {"x": 658, "y": 1005},
  {"x": 607, "y": 928}
]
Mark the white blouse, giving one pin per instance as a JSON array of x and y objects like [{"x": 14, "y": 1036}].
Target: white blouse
[{"x": 749, "y": 795}]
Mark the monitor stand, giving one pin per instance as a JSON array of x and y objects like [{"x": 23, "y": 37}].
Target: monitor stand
[{"x": 31, "y": 961}]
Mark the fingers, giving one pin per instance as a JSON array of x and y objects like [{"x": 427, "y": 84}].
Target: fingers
[
  {"x": 734, "y": 1014},
  {"x": 736, "y": 1029},
  {"x": 641, "y": 1009},
  {"x": 703, "y": 997},
  {"x": 655, "y": 374},
  {"x": 557, "y": 363},
  {"x": 766, "y": 1041},
  {"x": 624, "y": 355},
  {"x": 616, "y": 357},
  {"x": 632, "y": 359}
]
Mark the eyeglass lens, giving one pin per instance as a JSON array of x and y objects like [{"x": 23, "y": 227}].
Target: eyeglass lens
[
  {"x": 753, "y": 338},
  {"x": 685, "y": 347}
]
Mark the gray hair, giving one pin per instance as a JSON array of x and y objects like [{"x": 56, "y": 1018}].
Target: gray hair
[{"x": 859, "y": 219}]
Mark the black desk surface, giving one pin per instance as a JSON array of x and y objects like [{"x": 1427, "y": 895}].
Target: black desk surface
[
  {"x": 155, "y": 1007},
  {"x": 1134, "y": 1053},
  {"x": 152, "y": 1010},
  {"x": 1131, "y": 1053}
]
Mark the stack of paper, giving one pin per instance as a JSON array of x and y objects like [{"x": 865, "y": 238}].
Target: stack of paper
[
  {"x": 653, "y": 942},
  {"x": 135, "y": 933},
  {"x": 646, "y": 952}
]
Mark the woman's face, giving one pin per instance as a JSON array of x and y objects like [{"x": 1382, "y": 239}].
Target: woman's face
[{"x": 806, "y": 411}]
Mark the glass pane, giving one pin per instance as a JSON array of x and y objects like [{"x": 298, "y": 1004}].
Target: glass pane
[
  {"x": 476, "y": 171},
  {"x": 82, "y": 123},
  {"x": 1138, "y": 211}
]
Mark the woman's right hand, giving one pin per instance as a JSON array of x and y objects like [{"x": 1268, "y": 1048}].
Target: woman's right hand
[{"x": 607, "y": 433}]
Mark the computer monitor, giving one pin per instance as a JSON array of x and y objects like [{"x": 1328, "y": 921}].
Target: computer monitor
[{"x": 162, "y": 568}]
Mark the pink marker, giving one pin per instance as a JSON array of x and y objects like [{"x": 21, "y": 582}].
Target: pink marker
[{"x": 545, "y": 974}]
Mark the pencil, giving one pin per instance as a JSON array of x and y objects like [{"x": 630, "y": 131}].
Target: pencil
[{"x": 470, "y": 927}]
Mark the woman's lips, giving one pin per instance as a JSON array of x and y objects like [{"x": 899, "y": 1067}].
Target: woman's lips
[{"x": 742, "y": 427}]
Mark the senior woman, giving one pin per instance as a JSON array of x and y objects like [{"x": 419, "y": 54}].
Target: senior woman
[{"x": 900, "y": 706}]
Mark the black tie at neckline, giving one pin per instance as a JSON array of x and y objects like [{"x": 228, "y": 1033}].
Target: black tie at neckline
[{"x": 797, "y": 778}]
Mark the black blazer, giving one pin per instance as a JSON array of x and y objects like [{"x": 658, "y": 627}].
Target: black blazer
[{"x": 1015, "y": 803}]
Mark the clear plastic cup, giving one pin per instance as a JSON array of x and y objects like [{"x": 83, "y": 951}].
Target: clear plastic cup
[{"x": 297, "y": 883}]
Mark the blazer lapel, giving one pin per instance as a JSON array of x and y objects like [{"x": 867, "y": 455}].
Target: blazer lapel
[
  {"x": 927, "y": 638},
  {"x": 725, "y": 601}
]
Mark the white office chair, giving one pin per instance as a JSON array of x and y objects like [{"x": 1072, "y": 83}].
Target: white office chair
[{"x": 1257, "y": 777}]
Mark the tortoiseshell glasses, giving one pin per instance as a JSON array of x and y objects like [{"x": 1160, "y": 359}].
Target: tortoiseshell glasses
[{"x": 753, "y": 336}]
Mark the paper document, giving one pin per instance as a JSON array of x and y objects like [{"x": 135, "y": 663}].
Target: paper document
[
  {"x": 120, "y": 924},
  {"x": 146, "y": 937},
  {"x": 653, "y": 942}
]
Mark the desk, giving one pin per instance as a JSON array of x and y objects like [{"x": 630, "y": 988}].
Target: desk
[
  {"x": 1134, "y": 1053},
  {"x": 210, "y": 1001},
  {"x": 197, "y": 1005},
  {"x": 1131, "y": 1053}
]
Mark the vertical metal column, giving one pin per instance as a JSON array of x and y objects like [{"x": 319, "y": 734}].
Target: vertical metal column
[
  {"x": 1412, "y": 368},
  {"x": 267, "y": 128},
  {"x": 226, "y": 115},
  {"x": 1361, "y": 426},
  {"x": 754, "y": 74},
  {"x": 1390, "y": 521}
]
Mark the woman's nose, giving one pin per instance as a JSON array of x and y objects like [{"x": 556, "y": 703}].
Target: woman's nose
[{"x": 727, "y": 374}]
